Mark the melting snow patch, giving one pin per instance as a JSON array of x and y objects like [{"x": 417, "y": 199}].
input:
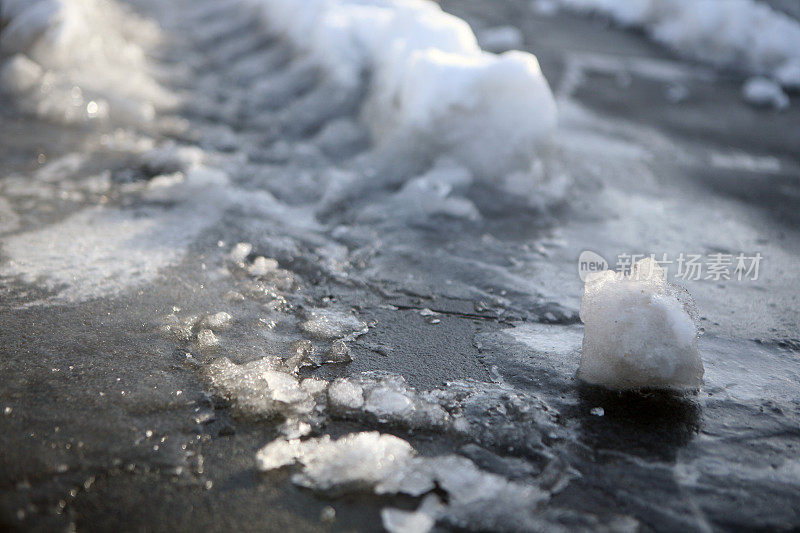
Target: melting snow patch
[{"x": 639, "y": 331}]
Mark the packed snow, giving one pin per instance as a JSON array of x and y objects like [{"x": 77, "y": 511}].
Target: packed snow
[
  {"x": 639, "y": 332},
  {"x": 386, "y": 464},
  {"x": 745, "y": 35}
]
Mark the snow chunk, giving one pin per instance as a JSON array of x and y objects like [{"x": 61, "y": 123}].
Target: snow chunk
[
  {"x": 344, "y": 396},
  {"x": 355, "y": 461},
  {"x": 240, "y": 252},
  {"x": 764, "y": 92},
  {"x": 387, "y": 464},
  {"x": 261, "y": 389},
  {"x": 206, "y": 338},
  {"x": 639, "y": 331},
  {"x": 219, "y": 320},
  {"x": 328, "y": 324},
  {"x": 420, "y": 521}
]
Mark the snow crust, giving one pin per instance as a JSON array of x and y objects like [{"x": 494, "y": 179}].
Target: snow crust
[
  {"x": 744, "y": 34},
  {"x": 639, "y": 331},
  {"x": 428, "y": 77}
]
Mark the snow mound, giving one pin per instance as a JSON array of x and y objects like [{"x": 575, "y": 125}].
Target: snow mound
[
  {"x": 429, "y": 79},
  {"x": 77, "y": 60},
  {"x": 639, "y": 331},
  {"x": 743, "y": 34}
]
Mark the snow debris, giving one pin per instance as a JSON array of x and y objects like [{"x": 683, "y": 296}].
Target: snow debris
[
  {"x": 329, "y": 324},
  {"x": 639, "y": 331},
  {"x": 764, "y": 92},
  {"x": 338, "y": 353},
  {"x": 206, "y": 338},
  {"x": 217, "y": 321},
  {"x": 420, "y": 521},
  {"x": 387, "y": 464},
  {"x": 261, "y": 388},
  {"x": 240, "y": 252}
]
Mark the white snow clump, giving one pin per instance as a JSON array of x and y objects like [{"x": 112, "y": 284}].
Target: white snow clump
[{"x": 639, "y": 331}]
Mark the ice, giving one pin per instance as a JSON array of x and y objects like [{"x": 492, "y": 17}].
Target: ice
[
  {"x": 500, "y": 38},
  {"x": 338, "y": 353},
  {"x": 420, "y": 521},
  {"x": 103, "y": 249},
  {"x": 206, "y": 338},
  {"x": 387, "y": 464},
  {"x": 345, "y": 396},
  {"x": 330, "y": 324},
  {"x": 743, "y": 34},
  {"x": 429, "y": 78},
  {"x": 261, "y": 388},
  {"x": 761, "y": 91},
  {"x": 639, "y": 331},
  {"x": 240, "y": 252},
  {"x": 387, "y": 399},
  {"x": 220, "y": 320},
  {"x": 433, "y": 193}
]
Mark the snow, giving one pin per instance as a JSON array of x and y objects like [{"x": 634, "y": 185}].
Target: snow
[
  {"x": 83, "y": 58},
  {"x": 355, "y": 461},
  {"x": 742, "y": 34},
  {"x": 220, "y": 320},
  {"x": 387, "y": 464},
  {"x": 261, "y": 388},
  {"x": 430, "y": 78},
  {"x": 330, "y": 324},
  {"x": 764, "y": 92},
  {"x": 639, "y": 331}
]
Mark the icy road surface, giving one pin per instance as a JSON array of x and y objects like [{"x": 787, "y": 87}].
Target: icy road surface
[{"x": 231, "y": 300}]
